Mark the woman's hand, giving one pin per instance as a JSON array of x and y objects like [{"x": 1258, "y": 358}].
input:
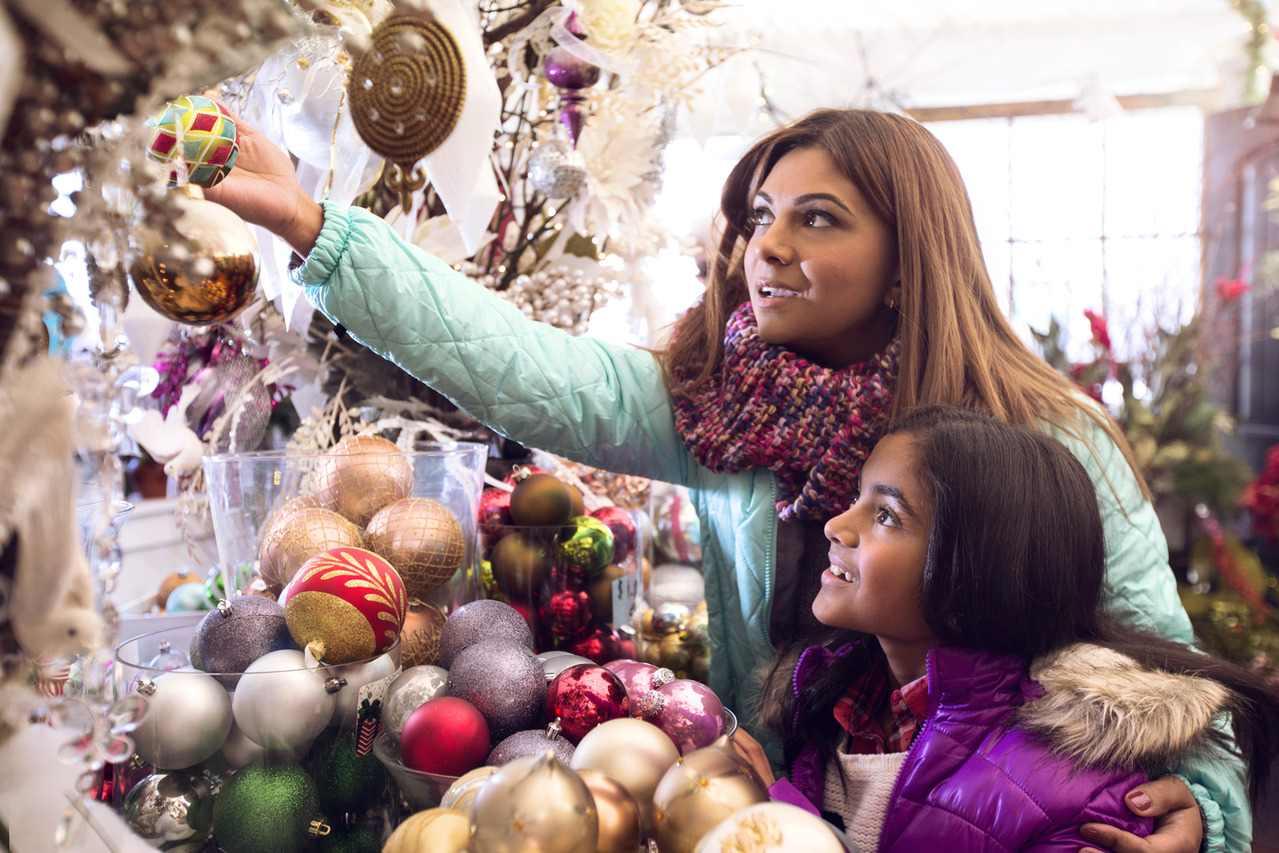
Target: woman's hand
[
  {"x": 262, "y": 188},
  {"x": 750, "y": 749},
  {"x": 1178, "y": 823}
]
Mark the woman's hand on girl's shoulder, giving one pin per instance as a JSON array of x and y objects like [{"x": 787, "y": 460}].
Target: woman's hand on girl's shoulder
[
  {"x": 750, "y": 749},
  {"x": 1178, "y": 822}
]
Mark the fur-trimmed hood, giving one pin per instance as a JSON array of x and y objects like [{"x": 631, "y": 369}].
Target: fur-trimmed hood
[{"x": 1103, "y": 709}]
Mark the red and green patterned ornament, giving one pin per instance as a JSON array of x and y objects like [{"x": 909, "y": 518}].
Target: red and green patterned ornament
[
  {"x": 198, "y": 137},
  {"x": 345, "y": 604}
]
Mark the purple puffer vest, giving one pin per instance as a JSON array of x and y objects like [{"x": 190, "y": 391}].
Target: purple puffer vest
[{"x": 970, "y": 784}]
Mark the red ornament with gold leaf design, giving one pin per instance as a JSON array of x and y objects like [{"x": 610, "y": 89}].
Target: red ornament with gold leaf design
[{"x": 345, "y": 604}]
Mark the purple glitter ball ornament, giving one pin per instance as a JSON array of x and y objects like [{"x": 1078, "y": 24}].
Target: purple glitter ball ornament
[
  {"x": 481, "y": 620},
  {"x": 238, "y": 632},
  {"x": 532, "y": 742},
  {"x": 504, "y": 680}
]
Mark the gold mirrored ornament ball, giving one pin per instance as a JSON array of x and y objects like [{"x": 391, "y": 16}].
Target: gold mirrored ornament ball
[
  {"x": 360, "y": 475},
  {"x": 703, "y": 788},
  {"x": 438, "y": 830},
  {"x": 634, "y": 752},
  {"x": 198, "y": 268},
  {"x": 422, "y": 539},
  {"x": 619, "y": 814}
]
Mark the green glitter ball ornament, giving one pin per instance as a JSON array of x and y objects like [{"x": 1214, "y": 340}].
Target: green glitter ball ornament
[
  {"x": 345, "y": 782},
  {"x": 265, "y": 809},
  {"x": 357, "y": 839}
]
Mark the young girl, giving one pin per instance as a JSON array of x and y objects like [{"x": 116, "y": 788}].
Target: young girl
[
  {"x": 969, "y": 691},
  {"x": 849, "y": 285}
]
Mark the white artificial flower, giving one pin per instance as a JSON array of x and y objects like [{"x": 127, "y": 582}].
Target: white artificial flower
[
  {"x": 622, "y": 156},
  {"x": 610, "y": 24}
]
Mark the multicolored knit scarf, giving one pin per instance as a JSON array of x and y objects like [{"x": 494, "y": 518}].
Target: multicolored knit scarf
[{"x": 769, "y": 408}]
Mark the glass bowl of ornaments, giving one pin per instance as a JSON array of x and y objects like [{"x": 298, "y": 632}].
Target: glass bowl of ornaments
[
  {"x": 573, "y": 572},
  {"x": 272, "y": 511},
  {"x": 247, "y": 739}
]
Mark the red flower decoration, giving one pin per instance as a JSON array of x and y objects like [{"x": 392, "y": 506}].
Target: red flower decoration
[
  {"x": 1230, "y": 289},
  {"x": 1261, "y": 498},
  {"x": 1100, "y": 332}
]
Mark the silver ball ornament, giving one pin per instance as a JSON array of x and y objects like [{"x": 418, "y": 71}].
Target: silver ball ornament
[
  {"x": 556, "y": 169},
  {"x": 410, "y": 690},
  {"x": 188, "y": 719},
  {"x": 169, "y": 808}
]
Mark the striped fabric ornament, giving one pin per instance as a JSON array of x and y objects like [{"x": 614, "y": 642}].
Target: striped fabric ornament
[
  {"x": 810, "y": 425},
  {"x": 197, "y": 136}
]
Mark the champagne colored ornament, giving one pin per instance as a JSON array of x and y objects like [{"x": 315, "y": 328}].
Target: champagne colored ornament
[
  {"x": 188, "y": 719},
  {"x": 586, "y": 544},
  {"x": 534, "y": 803},
  {"x": 407, "y": 92},
  {"x": 635, "y": 753},
  {"x": 422, "y": 539},
  {"x": 166, "y": 809},
  {"x": 532, "y": 742},
  {"x": 438, "y": 830},
  {"x": 619, "y": 814},
  {"x": 295, "y": 535},
  {"x": 541, "y": 500},
  {"x": 420, "y": 636},
  {"x": 556, "y": 169},
  {"x": 461, "y": 794},
  {"x": 411, "y": 689},
  {"x": 345, "y": 782},
  {"x": 584, "y": 696},
  {"x": 485, "y": 618},
  {"x": 201, "y": 267},
  {"x": 197, "y": 135},
  {"x": 361, "y": 474},
  {"x": 280, "y": 703},
  {"x": 504, "y": 680},
  {"x": 445, "y": 736},
  {"x": 688, "y": 711},
  {"x": 239, "y": 631},
  {"x": 702, "y": 789},
  {"x": 266, "y": 809},
  {"x": 771, "y": 827},
  {"x": 345, "y": 604},
  {"x": 622, "y": 524}
]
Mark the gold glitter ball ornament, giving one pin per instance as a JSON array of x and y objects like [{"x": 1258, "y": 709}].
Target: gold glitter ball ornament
[
  {"x": 199, "y": 268},
  {"x": 420, "y": 635},
  {"x": 422, "y": 539},
  {"x": 360, "y": 475},
  {"x": 407, "y": 91},
  {"x": 296, "y": 536}
]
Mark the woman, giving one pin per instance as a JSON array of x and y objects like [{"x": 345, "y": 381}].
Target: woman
[{"x": 848, "y": 285}]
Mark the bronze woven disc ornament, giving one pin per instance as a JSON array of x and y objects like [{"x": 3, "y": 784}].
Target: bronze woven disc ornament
[{"x": 407, "y": 92}]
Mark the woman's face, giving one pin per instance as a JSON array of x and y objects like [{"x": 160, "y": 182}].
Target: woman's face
[
  {"x": 877, "y": 552},
  {"x": 820, "y": 263}
]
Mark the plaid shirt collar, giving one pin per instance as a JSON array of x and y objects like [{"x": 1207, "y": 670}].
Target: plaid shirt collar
[{"x": 857, "y": 712}]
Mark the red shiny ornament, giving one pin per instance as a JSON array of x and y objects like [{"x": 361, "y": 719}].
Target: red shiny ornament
[
  {"x": 494, "y": 515},
  {"x": 599, "y": 643},
  {"x": 566, "y": 612},
  {"x": 530, "y": 613},
  {"x": 446, "y": 736},
  {"x": 623, "y": 526},
  {"x": 583, "y": 696},
  {"x": 346, "y": 603}
]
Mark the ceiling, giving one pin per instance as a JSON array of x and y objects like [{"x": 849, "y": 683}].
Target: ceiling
[{"x": 909, "y": 54}]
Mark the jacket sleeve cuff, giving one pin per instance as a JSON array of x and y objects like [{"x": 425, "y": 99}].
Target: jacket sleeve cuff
[
  {"x": 783, "y": 791},
  {"x": 1214, "y": 825},
  {"x": 329, "y": 248}
]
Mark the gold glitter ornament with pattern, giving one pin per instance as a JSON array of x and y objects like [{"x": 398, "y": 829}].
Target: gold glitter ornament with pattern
[
  {"x": 420, "y": 636},
  {"x": 422, "y": 539},
  {"x": 295, "y": 536},
  {"x": 360, "y": 475},
  {"x": 407, "y": 92}
]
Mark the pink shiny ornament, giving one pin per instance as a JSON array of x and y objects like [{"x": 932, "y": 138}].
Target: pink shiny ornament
[
  {"x": 622, "y": 524},
  {"x": 566, "y": 612},
  {"x": 600, "y": 643},
  {"x": 583, "y": 696},
  {"x": 639, "y": 677},
  {"x": 688, "y": 712}
]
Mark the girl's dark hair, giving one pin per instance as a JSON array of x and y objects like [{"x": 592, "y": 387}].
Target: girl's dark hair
[{"x": 1015, "y": 563}]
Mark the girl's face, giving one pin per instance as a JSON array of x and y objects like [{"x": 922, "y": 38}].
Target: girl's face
[
  {"x": 820, "y": 263},
  {"x": 877, "y": 552}
]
